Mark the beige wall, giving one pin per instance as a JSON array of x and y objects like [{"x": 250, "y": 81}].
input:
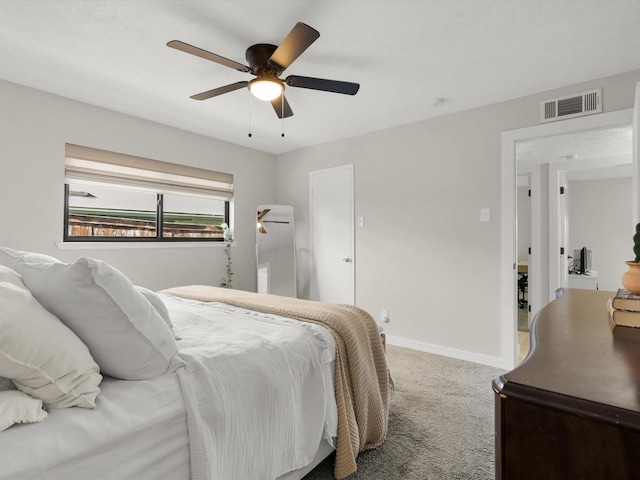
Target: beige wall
[
  {"x": 601, "y": 218},
  {"x": 424, "y": 254},
  {"x": 34, "y": 127}
]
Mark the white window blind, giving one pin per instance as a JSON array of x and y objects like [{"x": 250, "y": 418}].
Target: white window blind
[{"x": 91, "y": 165}]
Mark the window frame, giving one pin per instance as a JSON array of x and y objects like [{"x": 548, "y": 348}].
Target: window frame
[
  {"x": 66, "y": 238},
  {"x": 123, "y": 171}
]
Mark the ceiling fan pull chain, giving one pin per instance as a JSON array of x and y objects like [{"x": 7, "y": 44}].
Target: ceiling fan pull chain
[
  {"x": 250, "y": 117},
  {"x": 282, "y": 110}
]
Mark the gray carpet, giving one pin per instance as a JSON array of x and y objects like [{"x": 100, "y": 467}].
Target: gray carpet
[{"x": 441, "y": 423}]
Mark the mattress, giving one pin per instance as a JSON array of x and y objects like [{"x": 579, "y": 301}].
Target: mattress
[{"x": 139, "y": 429}]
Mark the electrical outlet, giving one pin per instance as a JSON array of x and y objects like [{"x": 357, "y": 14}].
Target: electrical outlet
[{"x": 384, "y": 315}]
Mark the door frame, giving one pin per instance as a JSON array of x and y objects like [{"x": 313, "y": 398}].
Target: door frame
[
  {"x": 557, "y": 239},
  {"x": 508, "y": 270}
]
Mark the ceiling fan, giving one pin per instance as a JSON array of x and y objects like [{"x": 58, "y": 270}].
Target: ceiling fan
[
  {"x": 261, "y": 215},
  {"x": 267, "y": 62}
]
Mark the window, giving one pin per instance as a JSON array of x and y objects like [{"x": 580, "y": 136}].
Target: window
[
  {"x": 110, "y": 196},
  {"x": 188, "y": 217},
  {"x": 94, "y": 211}
]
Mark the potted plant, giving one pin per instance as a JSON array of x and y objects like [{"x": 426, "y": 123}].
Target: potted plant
[
  {"x": 631, "y": 278},
  {"x": 228, "y": 239}
]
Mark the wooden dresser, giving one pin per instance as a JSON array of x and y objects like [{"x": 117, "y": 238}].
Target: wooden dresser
[{"x": 571, "y": 410}]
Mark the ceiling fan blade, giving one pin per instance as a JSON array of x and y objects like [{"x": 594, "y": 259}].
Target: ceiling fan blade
[
  {"x": 281, "y": 106},
  {"x": 198, "y": 52},
  {"x": 335, "y": 86},
  {"x": 296, "y": 42},
  {"x": 262, "y": 213},
  {"x": 219, "y": 91},
  {"x": 274, "y": 221}
]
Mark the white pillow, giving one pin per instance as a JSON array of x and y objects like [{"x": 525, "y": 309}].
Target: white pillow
[
  {"x": 42, "y": 356},
  {"x": 8, "y": 275},
  {"x": 157, "y": 303},
  {"x": 124, "y": 333},
  {"x": 11, "y": 258},
  {"x": 16, "y": 407}
]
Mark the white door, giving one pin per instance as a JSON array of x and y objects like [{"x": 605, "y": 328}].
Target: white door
[
  {"x": 563, "y": 231},
  {"x": 332, "y": 266}
]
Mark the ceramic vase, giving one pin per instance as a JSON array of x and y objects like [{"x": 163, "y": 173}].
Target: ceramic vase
[{"x": 631, "y": 278}]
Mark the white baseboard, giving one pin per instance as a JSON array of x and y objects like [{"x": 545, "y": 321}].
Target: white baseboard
[{"x": 445, "y": 351}]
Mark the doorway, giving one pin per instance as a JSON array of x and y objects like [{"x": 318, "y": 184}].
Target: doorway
[
  {"x": 524, "y": 250},
  {"x": 595, "y": 155},
  {"x": 510, "y": 139},
  {"x": 332, "y": 245}
]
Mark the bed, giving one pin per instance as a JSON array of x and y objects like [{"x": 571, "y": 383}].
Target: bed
[{"x": 189, "y": 383}]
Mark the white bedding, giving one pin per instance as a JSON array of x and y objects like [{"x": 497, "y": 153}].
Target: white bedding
[
  {"x": 137, "y": 431},
  {"x": 261, "y": 417},
  {"x": 279, "y": 398}
]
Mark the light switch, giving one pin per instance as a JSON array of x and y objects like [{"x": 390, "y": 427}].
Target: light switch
[
  {"x": 361, "y": 221},
  {"x": 485, "y": 214}
]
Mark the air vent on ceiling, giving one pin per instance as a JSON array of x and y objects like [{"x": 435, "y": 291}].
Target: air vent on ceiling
[{"x": 584, "y": 103}]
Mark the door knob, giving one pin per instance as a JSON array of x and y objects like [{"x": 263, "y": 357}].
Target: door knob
[{"x": 346, "y": 259}]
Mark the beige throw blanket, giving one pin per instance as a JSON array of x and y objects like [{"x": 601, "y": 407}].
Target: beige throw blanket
[{"x": 362, "y": 376}]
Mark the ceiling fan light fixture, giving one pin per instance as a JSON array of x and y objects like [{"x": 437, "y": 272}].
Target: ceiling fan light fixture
[
  {"x": 267, "y": 62},
  {"x": 266, "y": 88}
]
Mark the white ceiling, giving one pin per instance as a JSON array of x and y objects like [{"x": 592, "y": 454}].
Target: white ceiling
[
  {"x": 585, "y": 145},
  {"x": 611, "y": 147},
  {"x": 405, "y": 54}
]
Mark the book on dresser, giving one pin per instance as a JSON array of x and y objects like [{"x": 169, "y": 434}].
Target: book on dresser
[
  {"x": 625, "y": 300},
  {"x": 620, "y": 317}
]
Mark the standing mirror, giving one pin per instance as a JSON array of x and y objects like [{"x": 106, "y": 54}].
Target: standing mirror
[{"x": 275, "y": 250}]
